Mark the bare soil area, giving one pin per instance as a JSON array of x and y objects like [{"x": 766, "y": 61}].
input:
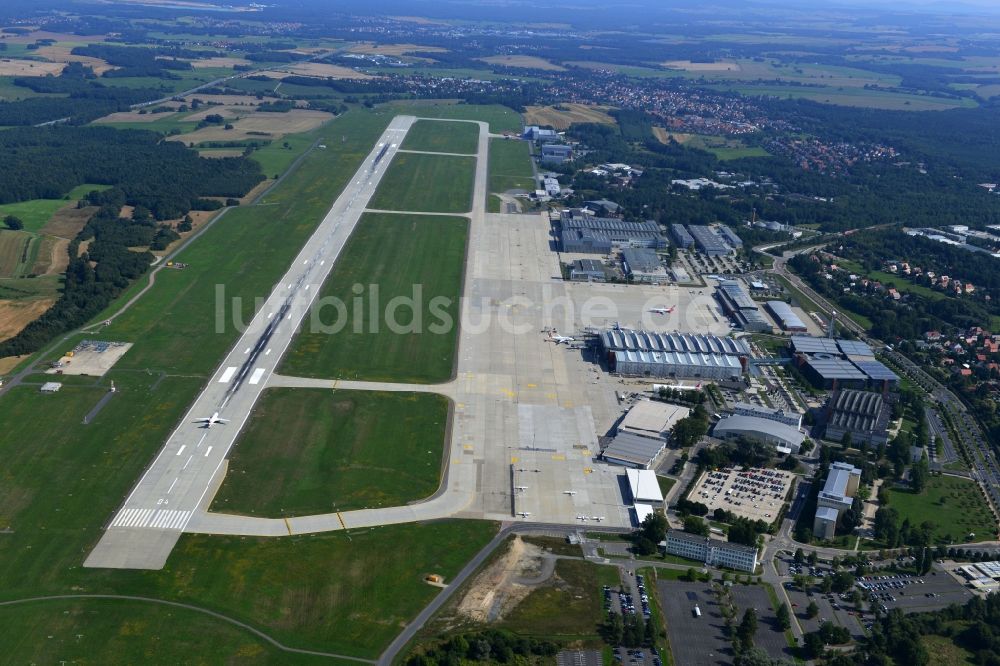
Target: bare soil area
[
  {"x": 495, "y": 592},
  {"x": 14, "y": 67}
]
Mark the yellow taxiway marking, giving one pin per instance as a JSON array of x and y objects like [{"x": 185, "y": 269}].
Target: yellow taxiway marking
[
  {"x": 588, "y": 470},
  {"x": 341, "y": 519},
  {"x": 459, "y": 405},
  {"x": 288, "y": 526},
  {"x": 467, "y": 447},
  {"x": 567, "y": 405},
  {"x": 532, "y": 385},
  {"x": 558, "y": 456},
  {"x": 513, "y": 459}
]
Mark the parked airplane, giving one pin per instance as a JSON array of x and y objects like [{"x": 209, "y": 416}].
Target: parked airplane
[
  {"x": 211, "y": 420},
  {"x": 663, "y": 310},
  {"x": 558, "y": 339},
  {"x": 524, "y": 514},
  {"x": 597, "y": 518},
  {"x": 569, "y": 492},
  {"x": 521, "y": 488},
  {"x": 581, "y": 518}
]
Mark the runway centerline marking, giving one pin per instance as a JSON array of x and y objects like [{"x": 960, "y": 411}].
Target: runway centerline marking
[
  {"x": 207, "y": 451},
  {"x": 181, "y": 450},
  {"x": 172, "y": 484},
  {"x": 188, "y": 462}
]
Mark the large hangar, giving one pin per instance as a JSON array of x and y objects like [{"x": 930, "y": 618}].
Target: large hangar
[{"x": 647, "y": 354}]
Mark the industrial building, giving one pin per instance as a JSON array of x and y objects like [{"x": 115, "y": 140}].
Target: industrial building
[
  {"x": 582, "y": 232},
  {"x": 587, "y": 270},
  {"x": 551, "y": 186},
  {"x": 633, "y": 450},
  {"x": 555, "y": 153},
  {"x": 644, "y": 486},
  {"x": 778, "y": 415},
  {"x": 837, "y": 496},
  {"x": 641, "y": 264},
  {"x": 736, "y": 303},
  {"x": 653, "y": 419},
  {"x": 51, "y": 387},
  {"x": 681, "y": 236},
  {"x": 785, "y": 438},
  {"x": 646, "y": 354},
  {"x": 535, "y": 133},
  {"x": 786, "y": 317},
  {"x": 862, "y": 413},
  {"x": 834, "y": 364},
  {"x": 730, "y": 237},
  {"x": 708, "y": 241},
  {"x": 712, "y": 551},
  {"x": 603, "y": 208}
]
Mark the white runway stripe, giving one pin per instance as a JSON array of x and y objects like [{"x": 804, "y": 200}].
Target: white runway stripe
[
  {"x": 257, "y": 374},
  {"x": 227, "y": 374}
]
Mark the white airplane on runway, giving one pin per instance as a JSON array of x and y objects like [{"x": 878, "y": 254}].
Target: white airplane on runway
[
  {"x": 569, "y": 492},
  {"x": 524, "y": 514},
  {"x": 559, "y": 339},
  {"x": 584, "y": 518},
  {"x": 663, "y": 310},
  {"x": 211, "y": 420},
  {"x": 597, "y": 518}
]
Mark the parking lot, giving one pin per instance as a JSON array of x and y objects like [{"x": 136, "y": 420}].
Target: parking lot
[
  {"x": 769, "y": 636},
  {"x": 755, "y": 493},
  {"x": 831, "y": 607},
  {"x": 694, "y": 640},
  {"x": 910, "y": 593}
]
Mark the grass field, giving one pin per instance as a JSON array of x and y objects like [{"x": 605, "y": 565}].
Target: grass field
[
  {"x": 945, "y": 652},
  {"x": 309, "y": 451},
  {"x": 429, "y": 183},
  {"x": 561, "y": 116},
  {"x": 442, "y": 137},
  {"x": 431, "y": 259},
  {"x": 246, "y": 251},
  {"x": 338, "y": 592},
  {"x": 34, "y": 213},
  {"x": 725, "y": 148},
  {"x": 104, "y": 631},
  {"x": 568, "y": 607},
  {"x": 524, "y": 61},
  {"x": 953, "y": 504},
  {"x": 851, "y": 96},
  {"x": 510, "y": 166},
  {"x": 500, "y": 118},
  {"x": 16, "y": 254}
]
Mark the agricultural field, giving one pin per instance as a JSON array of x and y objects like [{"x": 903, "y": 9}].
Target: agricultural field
[
  {"x": 432, "y": 260},
  {"x": 561, "y": 116},
  {"x": 953, "y": 504},
  {"x": 442, "y": 137},
  {"x": 524, "y": 62},
  {"x": 17, "y": 253},
  {"x": 308, "y": 451},
  {"x": 315, "y": 69},
  {"x": 725, "y": 148},
  {"x": 850, "y": 96},
  {"x": 249, "y": 125},
  {"x": 372, "y": 48},
  {"x": 427, "y": 183},
  {"x": 828, "y": 76}
]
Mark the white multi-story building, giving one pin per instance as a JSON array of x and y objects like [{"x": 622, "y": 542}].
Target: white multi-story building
[{"x": 712, "y": 551}]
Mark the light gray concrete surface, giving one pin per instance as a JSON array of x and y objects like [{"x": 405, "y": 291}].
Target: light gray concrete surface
[{"x": 162, "y": 503}]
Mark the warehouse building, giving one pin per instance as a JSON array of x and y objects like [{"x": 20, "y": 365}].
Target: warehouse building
[
  {"x": 587, "y": 270},
  {"x": 681, "y": 236},
  {"x": 535, "y": 133},
  {"x": 835, "y": 364},
  {"x": 837, "y": 496},
  {"x": 644, "y": 486},
  {"x": 603, "y": 208},
  {"x": 646, "y": 354},
  {"x": 652, "y": 419},
  {"x": 736, "y": 303},
  {"x": 555, "y": 153},
  {"x": 784, "y": 438},
  {"x": 863, "y": 414},
  {"x": 714, "y": 552},
  {"x": 582, "y": 232},
  {"x": 633, "y": 450},
  {"x": 730, "y": 237},
  {"x": 778, "y": 415},
  {"x": 708, "y": 241},
  {"x": 642, "y": 264},
  {"x": 786, "y": 317}
]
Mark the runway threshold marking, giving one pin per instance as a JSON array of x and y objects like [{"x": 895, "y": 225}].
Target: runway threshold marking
[{"x": 341, "y": 519}]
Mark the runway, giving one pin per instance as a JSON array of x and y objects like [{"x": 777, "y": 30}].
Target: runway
[{"x": 177, "y": 483}]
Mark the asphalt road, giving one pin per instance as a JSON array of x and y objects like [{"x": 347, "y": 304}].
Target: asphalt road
[{"x": 144, "y": 530}]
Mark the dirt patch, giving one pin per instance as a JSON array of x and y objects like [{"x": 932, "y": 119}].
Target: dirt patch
[
  {"x": 688, "y": 66},
  {"x": 15, "y": 315},
  {"x": 663, "y": 135},
  {"x": 63, "y": 54},
  {"x": 219, "y": 61},
  {"x": 316, "y": 69},
  {"x": 524, "y": 61},
  {"x": 10, "y": 67},
  {"x": 562, "y": 116},
  {"x": 68, "y": 221},
  {"x": 259, "y": 125},
  {"x": 494, "y": 592},
  {"x": 82, "y": 248},
  {"x": 370, "y": 48},
  {"x": 53, "y": 257}
]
